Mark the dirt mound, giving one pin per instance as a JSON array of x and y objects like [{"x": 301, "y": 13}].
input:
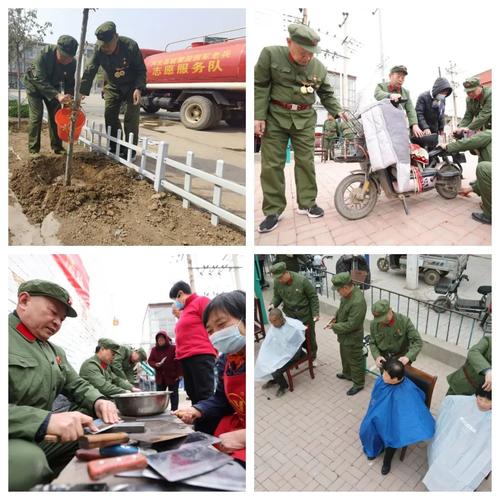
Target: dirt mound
[{"x": 106, "y": 203}]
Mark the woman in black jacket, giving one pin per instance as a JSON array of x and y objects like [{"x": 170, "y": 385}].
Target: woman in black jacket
[{"x": 430, "y": 107}]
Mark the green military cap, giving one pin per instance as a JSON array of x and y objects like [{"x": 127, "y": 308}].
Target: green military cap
[
  {"x": 471, "y": 84},
  {"x": 399, "y": 69},
  {"x": 106, "y": 31},
  {"x": 67, "y": 45},
  {"x": 108, "y": 344},
  {"x": 142, "y": 354},
  {"x": 341, "y": 279},
  {"x": 380, "y": 310},
  {"x": 304, "y": 36},
  {"x": 48, "y": 289},
  {"x": 278, "y": 269}
]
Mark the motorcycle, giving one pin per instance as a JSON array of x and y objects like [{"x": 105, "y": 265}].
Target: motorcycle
[
  {"x": 449, "y": 299},
  {"x": 431, "y": 168},
  {"x": 314, "y": 269}
]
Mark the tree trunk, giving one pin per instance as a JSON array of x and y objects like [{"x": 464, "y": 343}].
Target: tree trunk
[
  {"x": 18, "y": 57},
  {"x": 76, "y": 99}
]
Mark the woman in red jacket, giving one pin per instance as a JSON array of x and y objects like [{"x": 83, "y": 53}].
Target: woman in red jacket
[{"x": 168, "y": 369}]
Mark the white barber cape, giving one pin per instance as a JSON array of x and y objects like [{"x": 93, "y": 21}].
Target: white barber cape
[
  {"x": 278, "y": 347},
  {"x": 459, "y": 456}
]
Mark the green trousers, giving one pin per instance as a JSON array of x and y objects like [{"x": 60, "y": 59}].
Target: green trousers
[
  {"x": 35, "y": 103},
  {"x": 113, "y": 100},
  {"x": 353, "y": 362},
  {"x": 328, "y": 143},
  {"x": 482, "y": 186},
  {"x": 272, "y": 175},
  {"x": 31, "y": 463}
]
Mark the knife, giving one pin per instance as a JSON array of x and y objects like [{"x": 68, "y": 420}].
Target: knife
[{"x": 98, "y": 469}]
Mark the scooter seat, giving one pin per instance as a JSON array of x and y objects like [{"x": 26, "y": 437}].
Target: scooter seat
[{"x": 484, "y": 290}]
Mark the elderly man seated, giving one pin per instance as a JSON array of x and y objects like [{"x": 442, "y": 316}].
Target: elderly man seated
[
  {"x": 397, "y": 415},
  {"x": 281, "y": 348},
  {"x": 459, "y": 456}
]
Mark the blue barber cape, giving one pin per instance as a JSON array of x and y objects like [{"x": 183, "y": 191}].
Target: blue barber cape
[{"x": 396, "y": 417}]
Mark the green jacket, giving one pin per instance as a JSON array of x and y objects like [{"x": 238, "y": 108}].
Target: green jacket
[
  {"x": 46, "y": 76},
  {"x": 480, "y": 142},
  {"x": 382, "y": 92},
  {"x": 122, "y": 367},
  {"x": 347, "y": 131},
  {"x": 478, "y": 113},
  {"x": 331, "y": 129},
  {"x": 278, "y": 78},
  {"x": 103, "y": 378},
  {"x": 350, "y": 318},
  {"x": 401, "y": 339},
  {"x": 125, "y": 69},
  {"x": 477, "y": 363},
  {"x": 300, "y": 299},
  {"x": 38, "y": 373}
]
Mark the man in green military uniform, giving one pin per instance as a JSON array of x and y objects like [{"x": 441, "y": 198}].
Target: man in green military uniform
[
  {"x": 38, "y": 373},
  {"x": 476, "y": 371},
  {"x": 299, "y": 298},
  {"x": 51, "y": 80},
  {"x": 479, "y": 144},
  {"x": 394, "y": 90},
  {"x": 287, "y": 80},
  {"x": 392, "y": 335},
  {"x": 330, "y": 134},
  {"x": 292, "y": 261},
  {"x": 123, "y": 365},
  {"x": 123, "y": 63},
  {"x": 97, "y": 370},
  {"x": 348, "y": 325},
  {"x": 478, "y": 107}
]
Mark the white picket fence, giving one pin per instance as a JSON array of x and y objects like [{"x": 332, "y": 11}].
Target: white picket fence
[{"x": 97, "y": 139}]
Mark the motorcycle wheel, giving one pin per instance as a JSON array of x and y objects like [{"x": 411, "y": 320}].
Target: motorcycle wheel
[
  {"x": 383, "y": 264},
  {"x": 450, "y": 189},
  {"x": 441, "y": 304},
  {"x": 345, "y": 201}
]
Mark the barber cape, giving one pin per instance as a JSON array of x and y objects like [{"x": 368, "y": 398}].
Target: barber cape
[
  {"x": 396, "y": 417},
  {"x": 386, "y": 134},
  {"x": 278, "y": 347},
  {"x": 459, "y": 456}
]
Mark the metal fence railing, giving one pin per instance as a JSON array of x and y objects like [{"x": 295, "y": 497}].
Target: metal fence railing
[
  {"x": 97, "y": 139},
  {"x": 449, "y": 325}
]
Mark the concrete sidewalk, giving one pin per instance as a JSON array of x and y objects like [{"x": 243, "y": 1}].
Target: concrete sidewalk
[
  {"x": 307, "y": 440},
  {"x": 432, "y": 219}
]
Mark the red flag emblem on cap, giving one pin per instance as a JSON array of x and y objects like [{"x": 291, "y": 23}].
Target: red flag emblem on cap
[{"x": 69, "y": 301}]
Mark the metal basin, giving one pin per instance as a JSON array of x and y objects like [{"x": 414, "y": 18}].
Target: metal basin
[{"x": 140, "y": 404}]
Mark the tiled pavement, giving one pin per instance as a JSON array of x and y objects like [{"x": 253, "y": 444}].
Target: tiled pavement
[
  {"x": 432, "y": 219},
  {"x": 307, "y": 440}
]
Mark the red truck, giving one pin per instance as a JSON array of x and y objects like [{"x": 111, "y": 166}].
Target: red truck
[{"x": 204, "y": 82}]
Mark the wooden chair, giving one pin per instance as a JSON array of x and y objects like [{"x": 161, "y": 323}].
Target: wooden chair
[
  {"x": 423, "y": 381},
  {"x": 258, "y": 321},
  {"x": 297, "y": 365}
]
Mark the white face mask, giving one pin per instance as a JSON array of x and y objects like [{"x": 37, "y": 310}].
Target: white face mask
[{"x": 228, "y": 340}]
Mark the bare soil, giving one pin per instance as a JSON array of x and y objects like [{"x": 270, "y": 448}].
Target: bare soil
[{"x": 106, "y": 203}]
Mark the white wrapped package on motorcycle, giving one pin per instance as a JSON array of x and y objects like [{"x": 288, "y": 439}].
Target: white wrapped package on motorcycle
[{"x": 386, "y": 134}]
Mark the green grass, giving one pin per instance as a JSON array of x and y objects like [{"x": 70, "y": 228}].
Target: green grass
[{"x": 13, "y": 109}]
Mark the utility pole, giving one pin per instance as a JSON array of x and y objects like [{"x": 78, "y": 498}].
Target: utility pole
[
  {"x": 381, "y": 42},
  {"x": 305, "y": 19},
  {"x": 343, "y": 76},
  {"x": 190, "y": 272},
  {"x": 452, "y": 71},
  {"x": 76, "y": 99}
]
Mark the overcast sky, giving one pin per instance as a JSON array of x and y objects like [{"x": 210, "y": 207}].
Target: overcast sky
[
  {"x": 122, "y": 285},
  {"x": 150, "y": 28},
  {"x": 423, "y": 36}
]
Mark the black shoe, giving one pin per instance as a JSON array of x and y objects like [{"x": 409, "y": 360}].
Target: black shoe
[
  {"x": 269, "y": 384},
  {"x": 124, "y": 154},
  {"x": 353, "y": 390},
  {"x": 265, "y": 285},
  {"x": 481, "y": 217},
  {"x": 386, "y": 468},
  {"x": 61, "y": 151},
  {"x": 343, "y": 377},
  {"x": 312, "y": 212},
  {"x": 269, "y": 223},
  {"x": 281, "y": 391}
]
